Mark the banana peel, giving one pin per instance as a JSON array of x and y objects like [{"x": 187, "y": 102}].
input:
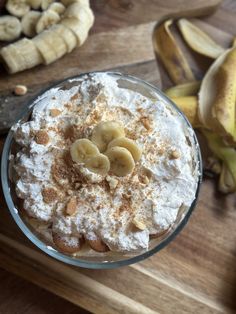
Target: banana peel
[
  {"x": 223, "y": 109},
  {"x": 226, "y": 181},
  {"x": 234, "y": 42},
  {"x": 170, "y": 54},
  {"x": 187, "y": 89},
  {"x": 198, "y": 40},
  {"x": 189, "y": 106},
  {"x": 224, "y": 153},
  {"x": 217, "y": 96}
]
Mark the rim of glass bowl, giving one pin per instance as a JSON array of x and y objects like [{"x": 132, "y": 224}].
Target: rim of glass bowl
[{"x": 74, "y": 260}]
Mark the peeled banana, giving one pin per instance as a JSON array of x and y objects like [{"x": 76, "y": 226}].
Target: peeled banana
[
  {"x": 21, "y": 55},
  {"x": 17, "y": 7},
  {"x": 99, "y": 164},
  {"x": 29, "y": 22},
  {"x": 57, "y": 7},
  {"x": 10, "y": 28},
  {"x": 121, "y": 161},
  {"x": 66, "y": 34},
  {"x": 50, "y": 44},
  {"x": 82, "y": 150},
  {"x": 35, "y": 4},
  {"x": 128, "y": 144},
  {"x": 47, "y": 19},
  {"x": 45, "y": 4},
  {"x": 82, "y": 2},
  {"x": 105, "y": 132}
]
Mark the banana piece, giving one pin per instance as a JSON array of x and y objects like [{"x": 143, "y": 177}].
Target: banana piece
[
  {"x": 82, "y": 150},
  {"x": 34, "y": 4},
  {"x": 29, "y": 22},
  {"x": 82, "y": 2},
  {"x": 10, "y": 28},
  {"x": 45, "y": 4},
  {"x": 105, "y": 132},
  {"x": 99, "y": 164},
  {"x": 17, "y": 7},
  {"x": 47, "y": 19},
  {"x": 12, "y": 60},
  {"x": 128, "y": 144},
  {"x": 45, "y": 49},
  {"x": 80, "y": 31},
  {"x": 26, "y": 48},
  {"x": 57, "y": 7},
  {"x": 83, "y": 14},
  {"x": 121, "y": 161},
  {"x": 66, "y": 34}
]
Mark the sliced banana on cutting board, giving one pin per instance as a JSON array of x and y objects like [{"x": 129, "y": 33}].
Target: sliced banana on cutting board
[
  {"x": 29, "y": 22},
  {"x": 60, "y": 27},
  {"x": 45, "y": 4},
  {"x": 57, "y": 7},
  {"x": 47, "y": 19},
  {"x": 17, "y": 7},
  {"x": 66, "y": 34},
  {"x": 10, "y": 28},
  {"x": 34, "y": 4}
]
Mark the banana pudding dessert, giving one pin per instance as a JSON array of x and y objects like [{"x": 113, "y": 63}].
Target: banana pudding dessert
[{"x": 103, "y": 168}]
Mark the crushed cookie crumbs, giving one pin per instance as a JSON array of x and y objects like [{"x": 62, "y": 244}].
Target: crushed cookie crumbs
[
  {"x": 50, "y": 195},
  {"x": 42, "y": 137},
  {"x": 55, "y": 112},
  {"x": 71, "y": 206}
]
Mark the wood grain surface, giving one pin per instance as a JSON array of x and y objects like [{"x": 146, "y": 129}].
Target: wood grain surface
[{"x": 196, "y": 273}]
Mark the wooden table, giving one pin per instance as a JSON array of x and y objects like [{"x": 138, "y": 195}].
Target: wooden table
[{"x": 196, "y": 273}]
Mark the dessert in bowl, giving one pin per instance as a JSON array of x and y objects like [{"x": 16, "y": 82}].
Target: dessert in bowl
[{"x": 104, "y": 170}]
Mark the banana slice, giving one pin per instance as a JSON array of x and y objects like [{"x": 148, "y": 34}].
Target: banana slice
[
  {"x": 99, "y": 164},
  {"x": 82, "y": 150},
  {"x": 46, "y": 51},
  {"x": 47, "y": 19},
  {"x": 121, "y": 161},
  {"x": 12, "y": 60},
  {"x": 105, "y": 132},
  {"x": 82, "y": 2},
  {"x": 57, "y": 7},
  {"x": 10, "y": 28},
  {"x": 83, "y": 14},
  {"x": 17, "y": 7},
  {"x": 34, "y": 4},
  {"x": 45, "y": 4},
  {"x": 55, "y": 42},
  {"x": 29, "y": 52},
  {"x": 66, "y": 34},
  {"x": 128, "y": 144},
  {"x": 29, "y": 22},
  {"x": 80, "y": 31}
]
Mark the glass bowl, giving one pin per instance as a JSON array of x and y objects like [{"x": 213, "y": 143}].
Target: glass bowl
[{"x": 99, "y": 261}]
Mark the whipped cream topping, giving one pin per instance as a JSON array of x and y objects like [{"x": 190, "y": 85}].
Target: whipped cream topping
[{"x": 163, "y": 181}]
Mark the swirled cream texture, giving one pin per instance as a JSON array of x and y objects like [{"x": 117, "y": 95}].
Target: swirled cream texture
[{"x": 107, "y": 207}]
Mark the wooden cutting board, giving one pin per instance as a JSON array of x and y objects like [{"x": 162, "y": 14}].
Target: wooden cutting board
[{"x": 196, "y": 273}]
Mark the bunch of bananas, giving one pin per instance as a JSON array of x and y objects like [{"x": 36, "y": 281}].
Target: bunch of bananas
[
  {"x": 55, "y": 30},
  {"x": 210, "y": 104},
  {"x": 108, "y": 149}
]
